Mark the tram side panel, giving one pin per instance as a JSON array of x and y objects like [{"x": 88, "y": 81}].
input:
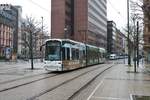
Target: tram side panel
[
  {"x": 92, "y": 56},
  {"x": 66, "y": 55},
  {"x": 82, "y": 58},
  {"x": 73, "y": 57},
  {"x": 70, "y": 58}
]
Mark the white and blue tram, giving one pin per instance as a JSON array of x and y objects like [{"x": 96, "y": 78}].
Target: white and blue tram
[{"x": 65, "y": 54}]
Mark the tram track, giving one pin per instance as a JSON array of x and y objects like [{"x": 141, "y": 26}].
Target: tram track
[
  {"x": 17, "y": 79},
  {"x": 87, "y": 84},
  {"x": 25, "y": 83},
  {"x": 69, "y": 80},
  {"x": 18, "y": 84},
  {"x": 55, "y": 81},
  {"x": 8, "y": 68}
]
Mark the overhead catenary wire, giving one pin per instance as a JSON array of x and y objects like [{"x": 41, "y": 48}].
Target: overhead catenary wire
[
  {"x": 117, "y": 11},
  {"x": 38, "y": 5}
]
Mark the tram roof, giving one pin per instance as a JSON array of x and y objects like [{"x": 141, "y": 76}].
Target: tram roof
[
  {"x": 72, "y": 41},
  {"x": 102, "y": 49},
  {"x": 67, "y": 40}
]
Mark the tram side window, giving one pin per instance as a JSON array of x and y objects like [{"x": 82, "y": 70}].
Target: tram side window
[
  {"x": 81, "y": 54},
  {"x": 65, "y": 53},
  {"x": 75, "y": 54},
  {"x": 104, "y": 55},
  {"x": 99, "y": 54},
  {"x": 68, "y": 54},
  {"x": 84, "y": 53}
]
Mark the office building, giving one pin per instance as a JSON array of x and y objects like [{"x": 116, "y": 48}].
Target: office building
[
  {"x": 116, "y": 40},
  {"x": 8, "y": 30},
  {"x": 80, "y": 20},
  {"x": 146, "y": 34}
]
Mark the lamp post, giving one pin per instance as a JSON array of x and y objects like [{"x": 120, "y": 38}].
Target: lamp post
[
  {"x": 85, "y": 42},
  {"x": 85, "y": 36},
  {"x": 31, "y": 49},
  {"x": 129, "y": 52},
  {"x": 42, "y": 24},
  {"x": 42, "y": 40},
  {"x": 137, "y": 43}
]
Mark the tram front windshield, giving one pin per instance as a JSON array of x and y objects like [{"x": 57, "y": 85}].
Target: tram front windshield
[{"x": 52, "y": 51}]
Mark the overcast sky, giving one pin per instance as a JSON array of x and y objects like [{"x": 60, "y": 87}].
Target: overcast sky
[{"x": 38, "y": 8}]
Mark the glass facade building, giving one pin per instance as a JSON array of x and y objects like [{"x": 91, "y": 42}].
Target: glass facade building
[{"x": 97, "y": 21}]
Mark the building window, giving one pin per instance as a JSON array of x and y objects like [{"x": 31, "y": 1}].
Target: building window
[
  {"x": 148, "y": 28},
  {"x": 149, "y": 40}
]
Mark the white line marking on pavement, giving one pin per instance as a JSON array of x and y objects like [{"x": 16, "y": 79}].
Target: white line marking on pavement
[
  {"x": 95, "y": 89},
  {"x": 131, "y": 97},
  {"x": 109, "y": 98}
]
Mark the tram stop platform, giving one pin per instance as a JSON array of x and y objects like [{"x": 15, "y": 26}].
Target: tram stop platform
[{"x": 122, "y": 83}]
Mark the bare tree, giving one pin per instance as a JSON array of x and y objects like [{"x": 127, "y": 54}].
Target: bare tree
[
  {"x": 136, "y": 28},
  {"x": 30, "y": 29},
  {"x": 142, "y": 9},
  {"x": 143, "y": 6},
  {"x": 135, "y": 32}
]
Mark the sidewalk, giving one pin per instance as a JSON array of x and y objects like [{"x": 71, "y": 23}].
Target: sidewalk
[
  {"x": 26, "y": 64},
  {"x": 14, "y": 70},
  {"x": 121, "y": 83}
]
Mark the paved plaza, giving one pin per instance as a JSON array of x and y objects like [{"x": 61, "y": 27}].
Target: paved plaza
[{"x": 123, "y": 84}]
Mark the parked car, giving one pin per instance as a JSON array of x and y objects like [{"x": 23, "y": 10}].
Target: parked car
[{"x": 112, "y": 56}]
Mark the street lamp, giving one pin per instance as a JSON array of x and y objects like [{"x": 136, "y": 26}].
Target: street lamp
[
  {"x": 85, "y": 42},
  {"x": 65, "y": 32},
  {"x": 42, "y": 24},
  {"x": 85, "y": 37}
]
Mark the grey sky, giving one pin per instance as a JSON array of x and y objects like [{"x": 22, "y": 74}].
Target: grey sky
[{"x": 38, "y": 8}]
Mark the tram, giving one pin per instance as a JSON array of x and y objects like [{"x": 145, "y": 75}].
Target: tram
[{"x": 66, "y": 54}]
